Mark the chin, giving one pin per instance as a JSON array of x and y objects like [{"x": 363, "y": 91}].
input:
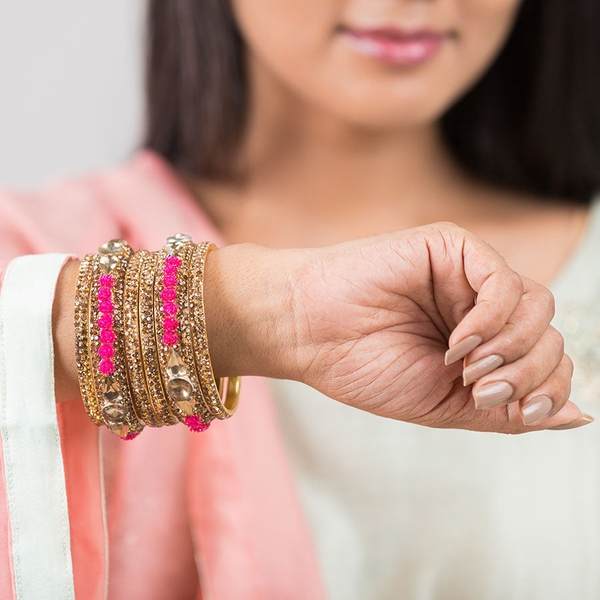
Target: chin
[
  {"x": 379, "y": 98},
  {"x": 387, "y": 111},
  {"x": 368, "y": 93}
]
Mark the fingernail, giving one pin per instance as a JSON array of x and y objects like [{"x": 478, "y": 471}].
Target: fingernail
[
  {"x": 480, "y": 368},
  {"x": 461, "y": 349},
  {"x": 580, "y": 422},
  {"x": 536, "y": 409},
  {"x": 493, "y": 394}
]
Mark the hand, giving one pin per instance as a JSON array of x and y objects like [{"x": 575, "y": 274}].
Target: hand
[{"x": 371, "y": 321}]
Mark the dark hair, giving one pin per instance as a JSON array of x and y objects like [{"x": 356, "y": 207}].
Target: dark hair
[{"x": 531, "y": 123}]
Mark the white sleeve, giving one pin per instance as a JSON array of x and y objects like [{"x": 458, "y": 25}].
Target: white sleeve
[{"x": 34, "y": 472}]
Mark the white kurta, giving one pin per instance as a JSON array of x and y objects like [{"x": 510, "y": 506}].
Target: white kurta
[
  {"x": 406, "y": 512},
  {"x": 33, "y": 465}
]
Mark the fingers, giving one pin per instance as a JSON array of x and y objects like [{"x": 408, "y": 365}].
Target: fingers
[
  {"x": 549, "y": 397},
  {"x": 548, "y": 406},
  {"x": 514, "y": 358},
  {"x": 515, "y": 380},
  {"x": 499, "y": 290},
  {"x": 523, "y": 329},
  {"x": 545, "y": 403},
  {"x": 569, "y": 417}
]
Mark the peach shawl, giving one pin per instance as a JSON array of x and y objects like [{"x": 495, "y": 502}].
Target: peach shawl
[{"x": 222, "y": 502}]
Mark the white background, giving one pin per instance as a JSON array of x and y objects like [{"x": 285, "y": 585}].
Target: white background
[{"x": 70, "y": 86}]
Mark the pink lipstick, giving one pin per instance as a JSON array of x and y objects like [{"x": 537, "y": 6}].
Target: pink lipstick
[{"x": 396, "y": 46}]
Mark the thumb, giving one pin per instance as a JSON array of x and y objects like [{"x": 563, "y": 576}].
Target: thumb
[{"x": 474, "y": 289}]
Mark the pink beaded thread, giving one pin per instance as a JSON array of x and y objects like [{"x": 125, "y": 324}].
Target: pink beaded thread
[
  {"x": 170, "y": 323},
  {"x": 106, "y": 334},
  {"x": 196, "y": 424},
  {"x": 168, "y": 297}
]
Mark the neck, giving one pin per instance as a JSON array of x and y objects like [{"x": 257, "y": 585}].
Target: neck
[{"x": 298, "y": 160}]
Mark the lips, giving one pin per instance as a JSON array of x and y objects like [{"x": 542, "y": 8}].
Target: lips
[{"x": 394, "y": 45}]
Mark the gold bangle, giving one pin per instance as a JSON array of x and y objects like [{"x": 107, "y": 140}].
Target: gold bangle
[
  {"x": 111, "y": 377},
  {"x": 135, "y": 368},
  {"x": 158, "y": 399},
  {"x": 140, "y": 392},
  {"x": 82, "y": 340},
  {"x": 175, "y": 345},
  {"x": 213, "y": 395}
]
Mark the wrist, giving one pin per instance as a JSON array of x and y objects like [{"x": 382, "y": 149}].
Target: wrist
[
  {"x": 249, "y": 319},
  {"x": 65, "y": 369}
]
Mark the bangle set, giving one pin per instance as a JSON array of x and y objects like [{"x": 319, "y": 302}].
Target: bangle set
[{"x": 140, "y": 339}]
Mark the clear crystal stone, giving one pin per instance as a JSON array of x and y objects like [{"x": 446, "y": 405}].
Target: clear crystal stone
[
  {"x": 114, "y": 414},
  {"x": 109, "y": 261},
  {"x": 175, "y": 366},
  {"x": 112, "y": 247},
  {"x": 180, "y": 390},
  {"x": 186, "y": 407},
  {"x": 120, "y": 430},
  {"x": 178, "y": 239},
  {"x": 179, "y": 386},
  {"x": 112, "y": 407},
  {"x": 111, "y": 391}
]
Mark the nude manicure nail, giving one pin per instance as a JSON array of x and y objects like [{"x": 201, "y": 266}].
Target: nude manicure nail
[
  {"x": 493, "y": 394},
  {"x": 480, "y": 368},
  {"x": 580, "y": 422},
  {"x": 461, "y": 349},
  {"x": 536, "y": 409}
]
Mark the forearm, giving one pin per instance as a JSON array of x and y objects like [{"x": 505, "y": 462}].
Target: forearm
[
  {"x": 249, "y": 328},
  {"x": 248, "y": 315}
]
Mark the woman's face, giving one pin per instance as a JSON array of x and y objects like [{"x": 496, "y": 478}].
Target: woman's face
[{"x": 376, "y": 62}]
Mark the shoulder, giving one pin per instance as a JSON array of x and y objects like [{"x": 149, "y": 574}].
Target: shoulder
[
  {"x": 70, "y": 214},
  {"x": 45, "y": 219}
]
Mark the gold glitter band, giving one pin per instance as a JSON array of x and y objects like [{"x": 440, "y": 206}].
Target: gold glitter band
[
  {"x": 212, "y": 393},
  {"x": 133, "y": 350},
  {"x": 176, "y": 360},
  {"x": 82, "y": 340},
  {"x": 113, "y": 390}
]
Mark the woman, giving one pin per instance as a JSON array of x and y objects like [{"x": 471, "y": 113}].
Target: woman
[{"x": 305, "y": 125}]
